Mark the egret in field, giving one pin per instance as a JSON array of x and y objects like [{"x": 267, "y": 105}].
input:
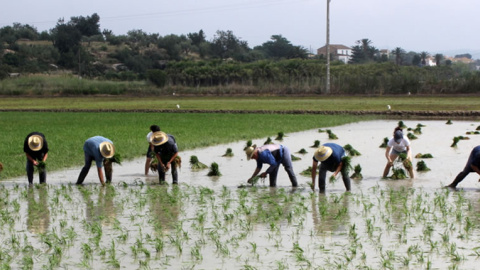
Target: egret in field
[
  {"x": 388, "y": 107},
  {"x": 178, "y": 106}
]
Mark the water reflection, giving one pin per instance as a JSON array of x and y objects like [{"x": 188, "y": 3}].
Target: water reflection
[
  {"x": 104, "y": 209},
  {"x": 38, "y": 216},
  {"x": 165, "y": 206},
  {"x": 330, "y": 212}
]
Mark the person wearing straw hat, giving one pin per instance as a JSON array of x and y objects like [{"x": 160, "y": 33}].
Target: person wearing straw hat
[
  {"x": 36, "y": 149},
  {"x": 166, "y": 151},
  {"x": 96, "y": 148},
  {"x": 397, "y": 145},
  {"x": 330, "y": 157},
  {"x": 473, "y": 165},
  {"x": 150, "y": 154},
  {"x": 274, "y": 155}
]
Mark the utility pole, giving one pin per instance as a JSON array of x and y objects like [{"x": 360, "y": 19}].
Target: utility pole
[{"x": 327, "y": 86}]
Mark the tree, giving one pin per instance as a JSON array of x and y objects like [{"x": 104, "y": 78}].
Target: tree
[
  {"x": 363, "y": 52},
  {"x": 279, "y": 47},
  {"x": 226, "y": 45},
  {"x": 66, "y": 38},
  {"x": 87, "y": 26},
  {"x": 416, "y": 60},
  {"x": 424, "y": 55},
  {"x": 438, "y": 58},
  {"x": 197, "y": 38},
  {"x": 398, "y": 52}
]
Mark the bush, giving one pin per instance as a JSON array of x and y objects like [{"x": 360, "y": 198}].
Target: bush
[{"x": 157, "y": 77}]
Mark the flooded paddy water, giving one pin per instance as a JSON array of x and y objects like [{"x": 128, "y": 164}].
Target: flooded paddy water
[{"x": 209, "y": 223}]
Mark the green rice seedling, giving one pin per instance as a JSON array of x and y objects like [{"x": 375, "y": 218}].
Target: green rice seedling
[
  {"x": 331, "y": 135},
  {"x": 321, "y": 130},
  {"x": 411, "y": 136},
  {"x": 422, "y": 166},
  {"x": 449, "y": 122},
  {"x": 228, "y": 153},
  {"x": 401, "y": 125},
  {"x": 417, "y": 130},
  {"x": 357, "y": 172},
  {"x": 280, "y": 136},
  {"x": 307, "y": 172},
  {"x": 248, "y": 144},
  {"x": 347, "y": 165},
  {"x": 384, "y": 143},
  {"x": 455, "y": 141},
  {"x": 268, "y": 141},
  {"x": 294, "y": 158},
  {"x": 196, "y": 164},
  {"x": 421, "y": 125},
  {"x": 302, "y": 151},
  {"x": 419, "y": 155},
  {"x": 351, "y": 151},
  {"x": 117, "y": 158},
  {"x": 316, "y": 144},
  {"x": 214, "y": 170},
  {"x": 332, "y": 180}
]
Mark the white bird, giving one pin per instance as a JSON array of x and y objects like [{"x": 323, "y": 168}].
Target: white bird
[
  {"x": 388, "y": 107},
  {"x": 178, "y": 106},
  {"x": 174, "y": 93}
]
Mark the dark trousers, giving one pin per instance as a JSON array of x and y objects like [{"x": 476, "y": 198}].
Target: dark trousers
[
  {"x": 31, "y": 168},
  {"x": 173, "y": 168},
  {"x": 287, "y": 164},
  {"x": 322, "y": 175},
  {"x": 85, "y": 169}
]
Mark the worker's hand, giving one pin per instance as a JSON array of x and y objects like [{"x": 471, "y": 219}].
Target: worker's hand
[
  {"x": 35, "y": 163},
  {"x": 263, "y": 175},
  {"x": 167, "y": 167}
]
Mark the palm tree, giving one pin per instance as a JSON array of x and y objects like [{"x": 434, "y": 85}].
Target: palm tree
[
  {"x": 398, "y": 52},
  {"x": 438, "y": 58}
]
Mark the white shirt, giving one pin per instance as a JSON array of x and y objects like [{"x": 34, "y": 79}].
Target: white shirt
[
  {"x": 149, "y": 135},
  {"x": 399, "y": 147}
]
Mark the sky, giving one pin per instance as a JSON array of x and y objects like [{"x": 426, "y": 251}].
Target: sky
[{"x": 433, "y": 26}]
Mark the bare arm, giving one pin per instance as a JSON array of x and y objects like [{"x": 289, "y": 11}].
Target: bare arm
[
  {"x": 314, "y": 174},
  {"x": 100, "y": 175},
  {"x": 387, "y": 155},
  {"x": 339, "y": 168}
]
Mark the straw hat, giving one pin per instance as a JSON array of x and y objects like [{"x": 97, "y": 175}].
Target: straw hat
[
  {"x": 158, "y": 138},
  {"x": 322, "y": 153},
  {"x": 249, "y": 151},
  {"x": 107, "y": 149},
  {"x": 35, "y": 142}
]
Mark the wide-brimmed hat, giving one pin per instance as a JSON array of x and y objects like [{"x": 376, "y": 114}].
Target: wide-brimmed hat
[
  {"x": 249, "y": 151},
  {"x": 35, "y": 142},
  {"x": 158, "y": 138},
  {"x": 107, "y": 149},
  {"x": 322, "y": 153}
]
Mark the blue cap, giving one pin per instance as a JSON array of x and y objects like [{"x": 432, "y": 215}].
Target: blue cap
[{"x": 398, "y": 136}]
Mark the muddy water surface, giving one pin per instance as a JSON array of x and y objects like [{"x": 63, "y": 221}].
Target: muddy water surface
[{"x": 209, "y": 223}]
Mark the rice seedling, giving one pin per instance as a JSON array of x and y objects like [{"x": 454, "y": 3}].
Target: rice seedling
[
  {"x": 357, "y": 173},
  {"x": 295, "y": 158},
  {"x": 449, "y": 122},
  {"x": 321, "y": 130},
  {"x": 401, "y": 125},
  {"x": 307, "y": 172},
  {"x": 196, "y": 164},
  {"x": 420, "y": 155},
  {"x": 422, "y": 166},
  {"x": 384, "y": 143},
  {"x": 417, "y": 130},
  {"x": 316, "y": 144},
  {"x": 280, "y": 136},
  {"x": 214, "y": 170},
  {"x": 228, "y": 153},
  {"x": 455, "y": 141},
  {"x": 302, "y": 151},
  {"x": 248, "y": 144},
  {"x": 351, "y": 151},
  {"x": 411, "y": 136},
  {"x": 331, "y": 135},
  {"x": 268, "y": 141}
]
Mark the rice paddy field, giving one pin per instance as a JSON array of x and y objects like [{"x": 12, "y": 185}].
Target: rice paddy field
[{"x": 220, "y": 222}]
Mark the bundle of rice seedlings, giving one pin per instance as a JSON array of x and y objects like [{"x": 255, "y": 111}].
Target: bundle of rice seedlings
[
  {"x": 398, "y": 173},
  {"x": 411, "y": 136},
  {"x": 154, "y": 165},
  {"x": 280, "y": 136},
  {"x": 401, "y": 125},
  {"x": 321, "y": 130},
  {"x": 449, "y": 122},
  {"x": 268, "y": 141},
  {"x": 294, "y": 158},
  {"x": 417, "y": 130},
  {"x": 422, "y": 166},
  {"x": 303, "y": 151},
  {"x": 357, "y": 172},
  {"x": 331, "y": 135},
  {"x": 419, "y": 155},
  {"x": 116, "y": 159},
  {"x": 214, "y": 171},
  {"x": 407, "y": 163},
  {"x": 472, "y": 132},
  {"x": 478, "y": 128},
  {"x": 351, "y": 151},
  {"x": 249, "y": 143},
  {"x": 332, "y": 179},
  {"x": 228, "y": 153},
  {"x": 347, "y": 165},
  {"x": 196, "y": 164},
  {"x": 41, "y": 166},
  {"x": 463, "y": 138},
  {"x": 307, "y": 172},
  {"x": 384, "y": 143},
  {"x": 420, "y": 125},
  {"x": 316, "y": 144},
  {"x": 455, "y": 141},
  {"x": 177, "y": 162},
  {"x": 254, "y": 180}
]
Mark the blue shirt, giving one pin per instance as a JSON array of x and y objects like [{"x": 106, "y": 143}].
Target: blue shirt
[
  {"x": 474, "y": 158},
  {"x": 92, "y": 148},
  {"x": 271, "y": 154},
  {"x": 332, "y": 162}
]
